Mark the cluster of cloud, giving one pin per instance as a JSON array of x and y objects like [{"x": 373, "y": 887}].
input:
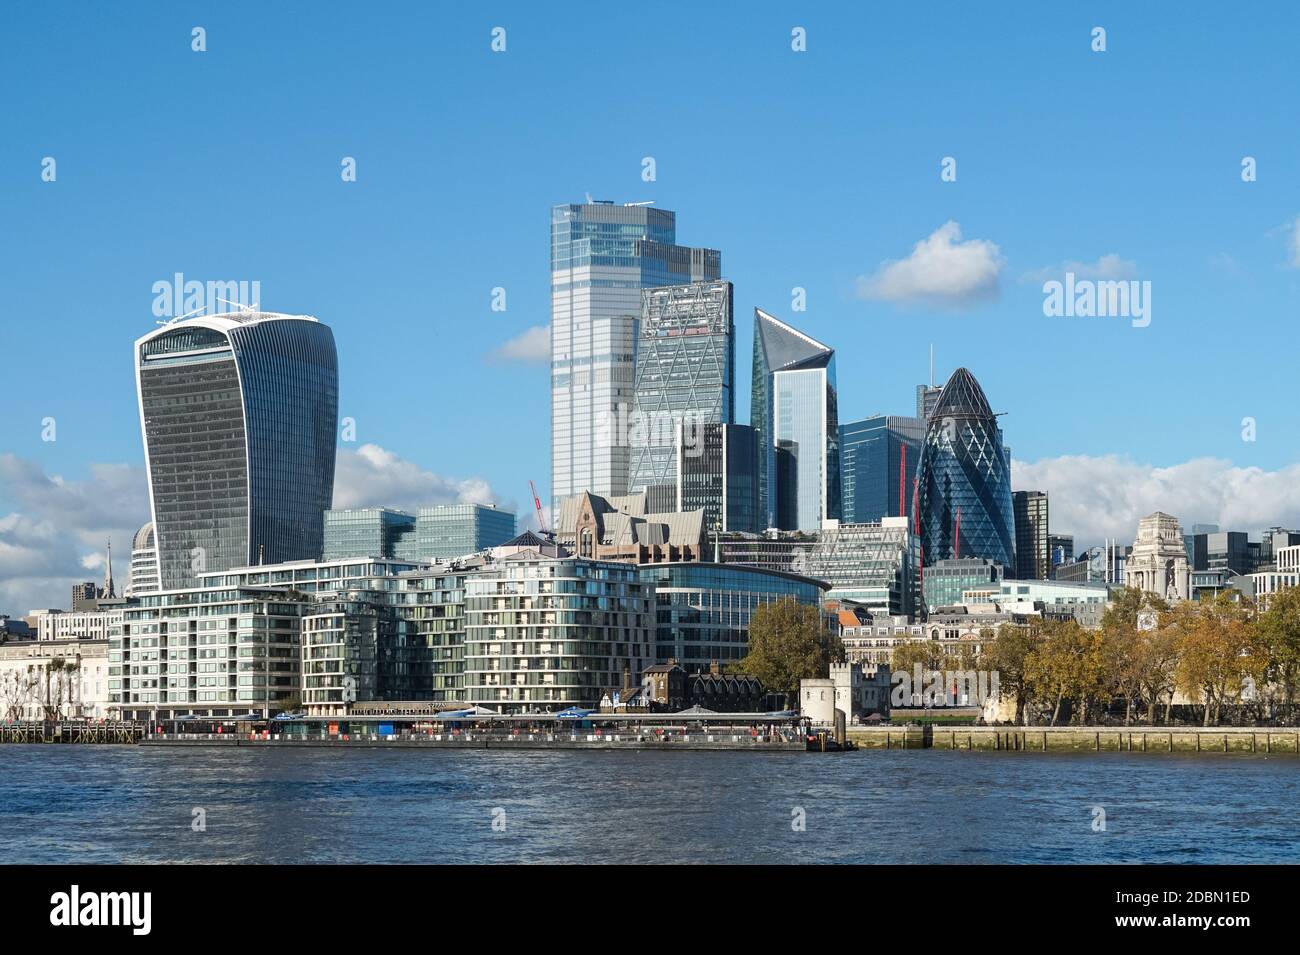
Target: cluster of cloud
[
  {"x": 532, "y": 345},
  {"x": 1095, "y": 498},
  {"x": 372, "y": 476},
  {"x": 57, "y": 534},
  {"x": 942, "y": 269}
]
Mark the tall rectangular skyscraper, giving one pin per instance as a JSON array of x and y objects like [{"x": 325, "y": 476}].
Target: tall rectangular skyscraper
[
  {"x": 602, "y": 256},
  {"x": 794, "y": 408},
  {"x": 1033, "y": 544},
  {"x": 878, "y": 460},
  {"x": 719, "y": 474},
  {"x": 239, "y": 414},
  {"x": 927, "y": 396},
  {"x": 685, "y": 374}
]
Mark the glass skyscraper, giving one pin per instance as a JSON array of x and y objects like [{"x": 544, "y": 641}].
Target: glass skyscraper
[
  {"x": 878, "y": 460},
  {"x": 964, "y": 491},
  {"x": 1033, "y": 545},
  {"x": 685, "y": 374},
  {"x": 794, "y": 406},
  {"x": 602, "y": 256},
  {"x": 239, "y": 413}
]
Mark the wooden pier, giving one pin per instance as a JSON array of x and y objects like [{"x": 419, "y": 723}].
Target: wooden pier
[{"x": 72, "y": 731}]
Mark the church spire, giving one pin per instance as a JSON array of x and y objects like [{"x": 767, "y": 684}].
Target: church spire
[{"x": 108, "y": 572}]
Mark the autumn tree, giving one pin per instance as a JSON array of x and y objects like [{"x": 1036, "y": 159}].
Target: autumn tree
[
  {"x": 1217, "y": 650},
  {"x": 1277, "y": 635},
  {"x": 1157, "y": 664},
  {"x": 789, "y": 642},
  {"x": 928, "y": 653},
  {"x": 1126, "y": 646},
  {"x": 1006, "y": 654},
  {"x": 1069, "y": 664}
]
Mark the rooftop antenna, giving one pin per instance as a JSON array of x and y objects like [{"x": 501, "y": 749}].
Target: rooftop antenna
[
  {"x": 181, "y": 318},
  {"x": 589, "y": 199},
  {"x": 931, "y": 364},
  {"x": 239, "y": 305}
]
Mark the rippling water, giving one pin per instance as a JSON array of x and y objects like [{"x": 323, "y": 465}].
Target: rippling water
[{"x": 135, "y": 804}]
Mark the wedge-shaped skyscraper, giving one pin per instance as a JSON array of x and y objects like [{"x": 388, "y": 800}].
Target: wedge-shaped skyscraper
[
  {"x": 240, "y": 414},
  {"x": 794, "y": 407},
  {"x": 963, "y": 497}
]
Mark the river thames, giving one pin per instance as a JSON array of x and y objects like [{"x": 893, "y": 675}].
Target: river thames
[{"x": 109, "y": 804}]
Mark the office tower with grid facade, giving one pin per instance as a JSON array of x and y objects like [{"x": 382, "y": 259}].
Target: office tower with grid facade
[{"x": 602, "y": 256}]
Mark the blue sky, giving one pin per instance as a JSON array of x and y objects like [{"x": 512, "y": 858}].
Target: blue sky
[{"x": 806, "y": 169}]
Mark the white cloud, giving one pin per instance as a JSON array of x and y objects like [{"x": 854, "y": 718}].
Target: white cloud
[
  {"x": 372, "y": 476},
  {"x": 533, "y": 345},
  {"x": 56, "y": 536},
  {"x": 942, "y": 269},
  {"x": 1109, "y": 267},
  {"x": 1098, "y": 497}
]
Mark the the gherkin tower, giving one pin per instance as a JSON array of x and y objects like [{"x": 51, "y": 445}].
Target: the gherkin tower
[{"x": 963, "y": 499}]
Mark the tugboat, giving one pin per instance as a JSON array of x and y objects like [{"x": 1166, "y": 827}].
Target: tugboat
[{"x": 824, "y": 742}]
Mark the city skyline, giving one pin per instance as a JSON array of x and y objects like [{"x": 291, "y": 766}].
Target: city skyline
[{"x": 1110, "y": 388}]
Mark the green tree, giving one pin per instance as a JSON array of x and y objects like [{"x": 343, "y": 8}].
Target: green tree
[{"x": 789, "y": 642}]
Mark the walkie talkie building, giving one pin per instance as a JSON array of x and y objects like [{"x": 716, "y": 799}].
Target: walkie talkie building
[
  {"x": 964, "y": 492},
  {"x": 239, "y": 413}
]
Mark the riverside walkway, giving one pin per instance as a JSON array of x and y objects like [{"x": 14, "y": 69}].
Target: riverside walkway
[{"x": 1267, "y": 740}]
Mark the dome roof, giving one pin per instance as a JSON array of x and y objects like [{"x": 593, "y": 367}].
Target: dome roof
[
  {"x": 143, "y": 539},
  {"x": 962, "y": 396}
]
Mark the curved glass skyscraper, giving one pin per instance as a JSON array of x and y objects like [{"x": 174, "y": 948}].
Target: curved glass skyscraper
[
  {"x": 239, "y": 414},
  {"x": 963, "y": 497}
]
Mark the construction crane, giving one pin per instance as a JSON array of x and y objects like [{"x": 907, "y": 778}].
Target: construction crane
[{"x": 537, "y": 503}]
